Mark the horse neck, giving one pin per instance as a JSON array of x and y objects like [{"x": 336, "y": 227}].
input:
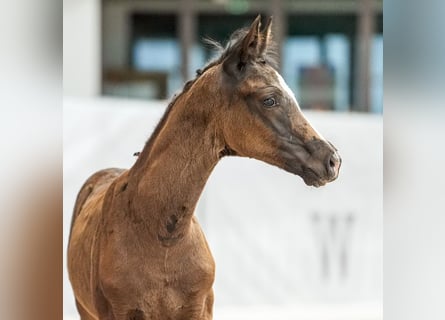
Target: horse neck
[{"x": 172, "y": 170}]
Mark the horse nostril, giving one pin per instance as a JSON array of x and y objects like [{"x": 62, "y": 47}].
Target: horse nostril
[{"x": 333, "y": 164}]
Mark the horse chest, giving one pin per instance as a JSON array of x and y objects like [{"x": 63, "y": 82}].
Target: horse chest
[
  {"x": 184, "y": 271},
  {"x": 184, "y": 293},
  {"x": 191, "y": 274},
  {"x": 175, "y": 281}
]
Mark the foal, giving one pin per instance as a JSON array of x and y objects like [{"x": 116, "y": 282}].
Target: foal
[{"x": 136, "y": 250}]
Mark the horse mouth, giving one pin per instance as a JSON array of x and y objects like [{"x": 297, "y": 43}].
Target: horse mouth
[{"x": 311, "y": 178}]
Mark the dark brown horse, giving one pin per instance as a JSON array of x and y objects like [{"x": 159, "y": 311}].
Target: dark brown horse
[{"x": 136, "y": 250}]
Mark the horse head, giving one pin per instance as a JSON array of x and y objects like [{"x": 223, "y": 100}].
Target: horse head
[{"x": 262, "y": 118}]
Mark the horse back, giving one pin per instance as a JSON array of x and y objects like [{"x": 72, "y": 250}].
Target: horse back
[
  {"x": 99, "y": 180},
  {"x": 83, "y": 234}
]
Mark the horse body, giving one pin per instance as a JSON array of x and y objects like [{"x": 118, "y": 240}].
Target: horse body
[
  {"x": 120, "y": 270},
  {"x": 135, "y": 226},
  {"x": 136, "y": 250}
]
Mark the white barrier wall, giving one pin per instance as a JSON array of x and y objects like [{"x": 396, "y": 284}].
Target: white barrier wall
[
  {"x": 82, "y": 47},
  {"x": 283, "y": 250}
]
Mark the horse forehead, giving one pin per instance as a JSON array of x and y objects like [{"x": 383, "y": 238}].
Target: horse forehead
[
  {"x": 283, "y": 86},
  {"x": 272, "y": 77},
  {"x": 262, "y": 77}
]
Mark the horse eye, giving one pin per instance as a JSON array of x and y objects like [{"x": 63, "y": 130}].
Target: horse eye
[{"x": 269, "y": 102}]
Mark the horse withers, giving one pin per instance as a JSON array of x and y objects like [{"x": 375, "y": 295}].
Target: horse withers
[{"x": 136, "y": 250}]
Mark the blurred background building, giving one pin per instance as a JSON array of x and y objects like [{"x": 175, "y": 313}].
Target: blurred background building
[
  {"x": 282, "y": 250},
  {"x": 331, "y": 50}
]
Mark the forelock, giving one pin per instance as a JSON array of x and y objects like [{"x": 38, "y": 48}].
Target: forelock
[{"x": 233, "y": 46}]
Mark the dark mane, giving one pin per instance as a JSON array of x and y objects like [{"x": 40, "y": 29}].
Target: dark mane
[{"x": 232, "y": 46}]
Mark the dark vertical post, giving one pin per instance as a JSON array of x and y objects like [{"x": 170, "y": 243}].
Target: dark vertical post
[
  {"x": 322, "y": 41},
  {"x": 279, "y": 26},
  {"x": 363, "y": 55},
  {"x": 352, "y": 67},
  {"x": 186, "y": 33}
]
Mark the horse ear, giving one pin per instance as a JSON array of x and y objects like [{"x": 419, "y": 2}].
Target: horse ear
[
  {"x": 248, "y": 49},
  {"x": 266, "y": 35},
  {"x": 251, "y": 41}
]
